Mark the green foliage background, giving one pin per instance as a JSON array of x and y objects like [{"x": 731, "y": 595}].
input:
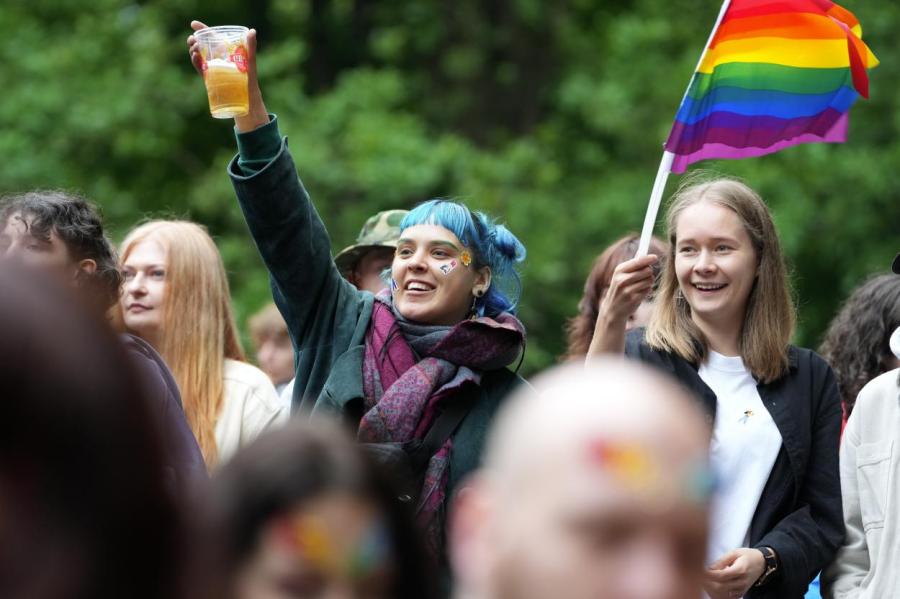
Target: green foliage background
[{"x": 549, "y": 115}]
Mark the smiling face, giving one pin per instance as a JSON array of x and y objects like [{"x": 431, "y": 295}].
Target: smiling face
[
  {"x": 716, "y": 264},
  {"x": 144, "y": 271},
  {"x": 433, "y": 284}
]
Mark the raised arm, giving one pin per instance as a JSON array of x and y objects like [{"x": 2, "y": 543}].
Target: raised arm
[
  {"x": 258, "y": 115},
  {"x": 630, "y": 284},
  {"x": 310, "y": 293}
]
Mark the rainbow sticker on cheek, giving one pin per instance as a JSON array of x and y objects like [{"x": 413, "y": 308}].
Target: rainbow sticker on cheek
[
  {"x": 449, "y": 267},
  {"x": 466, "y": 258}
]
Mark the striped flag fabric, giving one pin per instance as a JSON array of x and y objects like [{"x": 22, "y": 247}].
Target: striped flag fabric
[{"x": 776, "y": 73}]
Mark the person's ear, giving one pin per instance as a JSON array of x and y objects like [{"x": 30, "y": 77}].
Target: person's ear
[
  {"x": 85, "y": 267},
  {"x": 482, "y": 281}
]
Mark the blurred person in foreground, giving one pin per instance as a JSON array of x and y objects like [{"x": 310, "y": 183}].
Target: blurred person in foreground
[
  {"x": 84, "y": 509},
  {"x": 62, "y": 234},
  {"x": 857, "y": 344},
  {"x": 597, "y": 487},
  {"x": 274, "y": 351},
  {"x": 598, "y": 305},
  {"x": 301, "y": 513},
  {"x": 176, "y": 297},
  {"x": 866, "y": 565}
]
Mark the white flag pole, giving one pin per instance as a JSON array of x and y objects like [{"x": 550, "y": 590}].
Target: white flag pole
[
  {"x": 659, "y": 185},
  {"x": 665, "y": 165}
]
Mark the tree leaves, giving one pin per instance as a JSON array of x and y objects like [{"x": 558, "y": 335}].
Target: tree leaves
[{"x": 549, "y": 116}]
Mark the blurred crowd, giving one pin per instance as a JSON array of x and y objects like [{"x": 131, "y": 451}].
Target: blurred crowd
[{"x": 386, "y": 447}]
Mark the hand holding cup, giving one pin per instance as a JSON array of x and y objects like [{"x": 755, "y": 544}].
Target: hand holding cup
[{"x": 226, "y": 57}]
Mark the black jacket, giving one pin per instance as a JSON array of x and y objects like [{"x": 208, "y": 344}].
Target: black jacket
[
  {"x": 799, "y": 513},
  {"x": 185, "y": 469}
]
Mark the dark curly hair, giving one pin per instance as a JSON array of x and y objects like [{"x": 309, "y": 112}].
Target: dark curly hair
[
  {"x": 78, "y": 223},
  {"x": 858, "y": 339}
]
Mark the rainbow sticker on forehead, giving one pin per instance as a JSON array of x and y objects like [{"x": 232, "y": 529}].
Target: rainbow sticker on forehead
[
  {"x": 630, "y": 463},
  {"x": 466, "y": 258},
  {"x": 637, "y": 469}
]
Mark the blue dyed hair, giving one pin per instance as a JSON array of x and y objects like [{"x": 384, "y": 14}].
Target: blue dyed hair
[{"x": 490, "y": 243}]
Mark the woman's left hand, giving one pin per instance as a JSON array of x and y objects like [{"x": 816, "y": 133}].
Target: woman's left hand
[{"x": 734, "y": 573}]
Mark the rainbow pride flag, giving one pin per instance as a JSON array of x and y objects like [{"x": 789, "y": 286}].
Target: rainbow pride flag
[{"x": 776, "y": 73}]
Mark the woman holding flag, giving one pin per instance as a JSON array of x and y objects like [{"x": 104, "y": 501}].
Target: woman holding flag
[
  {"x": 773, "y": 74},
  {"x": 721, "y": 324}
]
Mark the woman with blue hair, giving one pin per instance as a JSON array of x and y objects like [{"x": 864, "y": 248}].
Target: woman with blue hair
[{"x": 392, "y": 365}]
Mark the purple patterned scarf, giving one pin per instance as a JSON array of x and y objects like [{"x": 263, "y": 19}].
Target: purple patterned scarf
[{"x": 402, "y": 392}]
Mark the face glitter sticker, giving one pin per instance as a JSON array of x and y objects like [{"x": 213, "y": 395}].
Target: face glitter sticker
[
  {"x": 309, "y": 539},
  {"x": 636, "y": 468},
  {"x": 630, "y": 463},
  {"x": 466, "y": 258},
  {"x": 449, "y": 267},
  {"x": 700, "y": 483},
  {"x": 394, "y": 286}
]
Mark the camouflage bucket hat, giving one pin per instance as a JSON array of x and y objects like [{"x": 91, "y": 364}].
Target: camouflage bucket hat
[{"x": 381, "y": 230}]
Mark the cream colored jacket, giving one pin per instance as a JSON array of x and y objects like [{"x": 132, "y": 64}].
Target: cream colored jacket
[
  {"x": 868, "y": 564},
  {"x": 250, "y": 407}
]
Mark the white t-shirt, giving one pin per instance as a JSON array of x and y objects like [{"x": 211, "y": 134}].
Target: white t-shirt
[
  {"x": 744, "y": 446},
  {"x": 287, "y": 394},
  {"x": 250, "y": 407}
]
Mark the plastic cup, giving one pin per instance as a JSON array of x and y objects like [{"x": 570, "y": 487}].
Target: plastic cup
[{"x": 224, "y": 52}]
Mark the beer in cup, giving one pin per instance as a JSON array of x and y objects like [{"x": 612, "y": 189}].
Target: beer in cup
[{"x": 224, "y": 52}]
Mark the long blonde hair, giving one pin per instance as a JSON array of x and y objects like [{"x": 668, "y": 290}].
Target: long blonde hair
[
  {"x": 198, "y": 329},
  {"x": 769, "y": 317}
]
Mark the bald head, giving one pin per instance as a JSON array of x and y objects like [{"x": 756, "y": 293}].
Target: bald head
[{"x": 595, "y": 486}]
